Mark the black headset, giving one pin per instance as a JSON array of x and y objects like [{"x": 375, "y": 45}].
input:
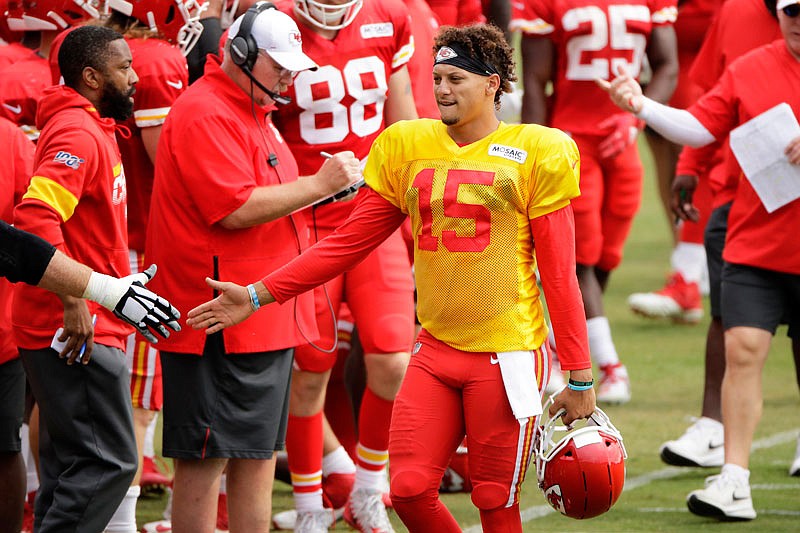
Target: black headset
[{"x": 244, "y": 49}]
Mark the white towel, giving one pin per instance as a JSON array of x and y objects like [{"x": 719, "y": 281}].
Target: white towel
[{"x": 519, "y": 378}]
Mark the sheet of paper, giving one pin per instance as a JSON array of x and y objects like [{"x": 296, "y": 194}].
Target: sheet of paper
[{"x": 758, "y": 145}]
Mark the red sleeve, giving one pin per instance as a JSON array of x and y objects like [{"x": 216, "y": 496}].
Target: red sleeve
[
  {"x": 554, "y": 242},
  {"x": 698, "y": 161},
  {"x": 372, "y": 221}
]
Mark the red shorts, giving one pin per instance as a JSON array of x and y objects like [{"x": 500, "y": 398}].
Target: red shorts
[
  {"x": 447, "y": 393},
  {"x": 143, "y": 361},
  {"x": 380, "y": 295},
  {"x": 611, "y": 192}
]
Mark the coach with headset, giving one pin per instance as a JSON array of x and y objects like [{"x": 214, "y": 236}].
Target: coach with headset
[{"x": 224, "y": 201}]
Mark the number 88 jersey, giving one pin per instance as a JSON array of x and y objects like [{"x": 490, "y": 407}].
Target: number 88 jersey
[
  {"x": 340, "y": 105},
  {"x": 592, "y": 39}
]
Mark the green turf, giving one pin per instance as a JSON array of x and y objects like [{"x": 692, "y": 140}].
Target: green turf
[{"x": 665, "y": 364}]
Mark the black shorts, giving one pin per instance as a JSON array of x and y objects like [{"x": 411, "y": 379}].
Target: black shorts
[
  {"x": 12, "y": 404},
  {"x": 714, "y": 240},
  {"x": 759, "y": 298},
  {"x": 225, "y": 406}
]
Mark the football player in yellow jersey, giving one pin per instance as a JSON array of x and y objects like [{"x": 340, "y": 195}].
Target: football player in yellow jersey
[{"x": 482, "y": 197}]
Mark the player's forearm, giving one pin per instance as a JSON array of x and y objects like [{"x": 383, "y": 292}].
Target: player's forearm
[
  {"x": 65, "y": 276},
  {"x": 663, "y": 58},
  {"x": 266, "y": 204},
  {"x": 537, "y": 71},
  {"x": 553, "y": 235}
]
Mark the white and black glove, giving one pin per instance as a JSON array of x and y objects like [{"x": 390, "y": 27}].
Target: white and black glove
[{"x": 130, "y": 301}]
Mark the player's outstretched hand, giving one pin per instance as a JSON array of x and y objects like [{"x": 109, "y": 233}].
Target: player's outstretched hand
[
  {"x": 148, "y": 312},
  {"x": 229, "y": 308},
  {"x": 624, "y": 91}
]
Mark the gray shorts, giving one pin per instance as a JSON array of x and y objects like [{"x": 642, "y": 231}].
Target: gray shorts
[
  {"x": 714, "y": 239},
  {"x": 12, "y": 404},
  {"x": 759, "y": 298},
  {"x": 225, "y": 405}
]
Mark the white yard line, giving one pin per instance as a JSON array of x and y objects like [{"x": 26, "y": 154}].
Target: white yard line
[{"x": 532, "y": 513}]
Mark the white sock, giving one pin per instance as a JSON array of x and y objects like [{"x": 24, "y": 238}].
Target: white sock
[
  {"x": 338, "y": 462},
  {"x": 149, "y": 437},
  {"x": 124, "y": 519},
  {"x": 741, "y": 475},
  {"x": 690, "y": 260},
  {"x": 223, "y": 484},
  {"x": 305, "y": 502},
  {"x": 601, "y": 345},
  {"x": 27, "y": 457},
  {"x": 368, "y": 479}
]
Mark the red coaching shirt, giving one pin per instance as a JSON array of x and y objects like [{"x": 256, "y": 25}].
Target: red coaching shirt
[
  {"x": 215, "y": 149},
  {"x": 592, "y": 39},
  {"x": 751, "y": 85}
]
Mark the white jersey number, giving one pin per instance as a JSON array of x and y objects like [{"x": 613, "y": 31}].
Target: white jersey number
[
  {"x": 348, "y": 81},
  {"x": 605, "y": 31}
]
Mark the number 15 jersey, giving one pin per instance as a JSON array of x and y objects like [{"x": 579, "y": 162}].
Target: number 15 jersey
[
  {"x": 470, "y": 209},
  {"x": 592, "y": 39}
]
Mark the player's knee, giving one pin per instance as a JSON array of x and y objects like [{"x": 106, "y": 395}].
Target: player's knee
[
  {"x": 487, "y": 496},
  {"x": 409, "y": 485}
]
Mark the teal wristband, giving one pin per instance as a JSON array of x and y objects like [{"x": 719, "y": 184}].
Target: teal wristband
[
  {"x": 579, "y": 388},
  {"x": 254, "y": 303}
]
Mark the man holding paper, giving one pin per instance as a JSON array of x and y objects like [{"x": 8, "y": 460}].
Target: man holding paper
[{"x": 761, "y": 276}]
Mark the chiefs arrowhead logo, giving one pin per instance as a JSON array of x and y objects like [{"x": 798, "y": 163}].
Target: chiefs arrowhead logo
[
  {"x": 553, "y": 496},
  {"x": 445, "y": 52}
]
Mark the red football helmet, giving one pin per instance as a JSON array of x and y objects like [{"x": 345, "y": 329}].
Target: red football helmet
[
  {"x": 6, "y": 33},
  {"x": 328, "y": 16},
  {"x": 177, "y": 20},
  {"x": 582, "y": 474},
  {"x": 37, "y": 15}
]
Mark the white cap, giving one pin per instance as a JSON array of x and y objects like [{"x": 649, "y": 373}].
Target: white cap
[
  {"x": 277, "y": 34},
  {"x": 786, "y": 3}
]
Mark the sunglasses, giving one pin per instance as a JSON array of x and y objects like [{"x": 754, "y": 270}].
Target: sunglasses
[
  {"x": 792, "y": 10},
  {"x": 282, "y": 72}
]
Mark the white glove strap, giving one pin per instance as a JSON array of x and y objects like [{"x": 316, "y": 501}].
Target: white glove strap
[{"x": 105, "y": 290}]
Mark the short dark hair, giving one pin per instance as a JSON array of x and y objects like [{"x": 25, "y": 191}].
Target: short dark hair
[
  {"x": 772, "y": 7},
  {"x": 85, "y": 46},
  {"x": 487, "y": 43}
]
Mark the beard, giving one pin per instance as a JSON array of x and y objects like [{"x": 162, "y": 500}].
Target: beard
[{"x": 116, "y": 104}]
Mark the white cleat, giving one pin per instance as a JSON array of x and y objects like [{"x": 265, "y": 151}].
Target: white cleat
[
  {"x": 723, "y": 498},
  {"x": 614, "y": 387},
  {"x": 701, "y": 445},
  {"x": 366, "y": 512},
  {"x": 314, "y": 521},
  {"x": 794, "y": 470}
]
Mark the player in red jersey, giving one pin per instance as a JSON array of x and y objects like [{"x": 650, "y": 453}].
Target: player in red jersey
[
  {"x": 761, "y": 273},
  {"x": 479, "y": 193},
  {"x": 572, "y": 42},
  {"x": 361, "y": 86},
  {"x": 681, "y": 298}
]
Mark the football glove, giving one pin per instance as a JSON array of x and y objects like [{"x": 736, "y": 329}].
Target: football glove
[
  {"x": 131, "y": 302},
  {"x": 624, "y": 128}
]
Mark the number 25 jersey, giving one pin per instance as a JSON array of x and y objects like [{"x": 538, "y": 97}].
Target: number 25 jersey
[
  {"x": 470, "y": 209},
  {"x": 592, "y": 39}
]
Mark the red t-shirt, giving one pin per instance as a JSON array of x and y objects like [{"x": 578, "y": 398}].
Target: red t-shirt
[
  {"x": 340, "y": 106},
  {"x": 751, "y": 85},
  {"x": 740, "y": 26},
  {"x": 424, "y": 25},
  {"x": 212, "y": 154},
  {"x": 76, "y": 200},
  {"x": 163, "y": 76},
  {"x": 591, "y": 39},
  {"x": 15, "y": 172}
]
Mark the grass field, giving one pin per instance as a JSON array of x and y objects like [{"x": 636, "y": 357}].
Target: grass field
[{"x": 665, "y": 364}]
